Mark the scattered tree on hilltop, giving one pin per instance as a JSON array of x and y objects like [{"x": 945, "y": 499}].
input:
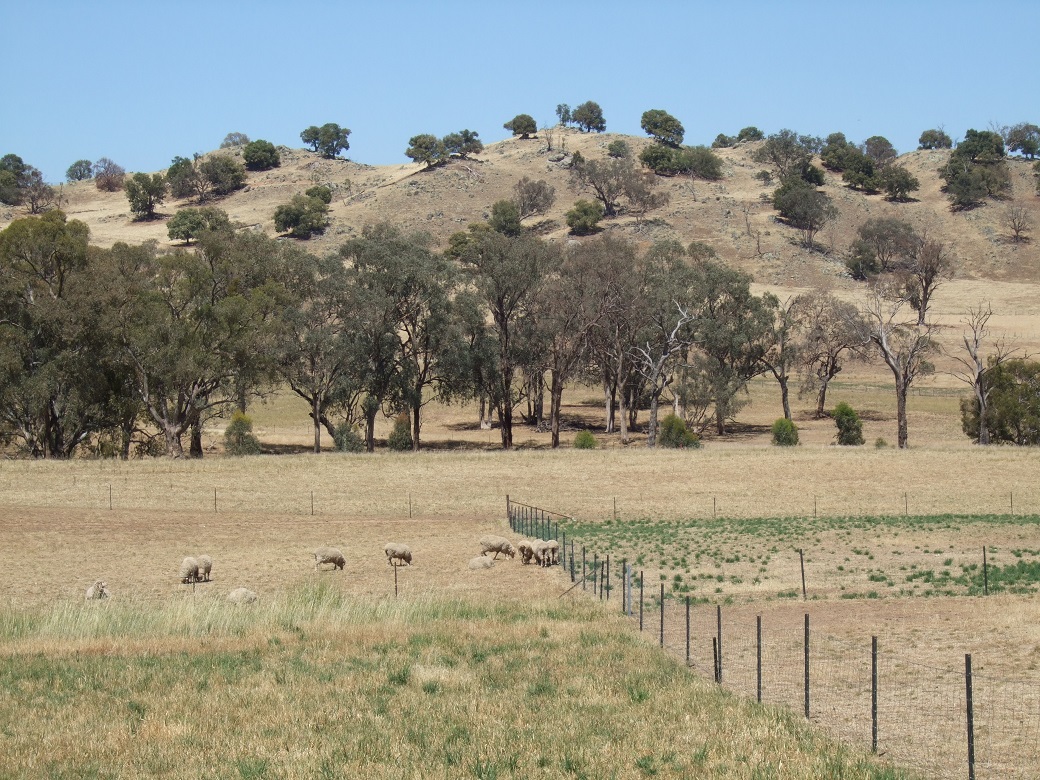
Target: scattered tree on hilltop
[
  {"x": 202, "y": 177},
  {"x": 976, "y": 169},
  {"x": 329, "y": 140},
  {"x": 787, "y": 152},
  {"x": 231, "y": 140},
  {"x": 897, "y": 182},
  {"x": 880, "y": 150},
  {"x": 803, "y": 206},
  {"x": 522, "y": 125},
  {"x": 108, "y": 176},
  {"x": 589, "y": 117},
  {"x": 662, "y": 127},
  {"x": 12, "y": 179},
  {"x": 533, "y": 197},
  {"x": 610, "y": 180},
  {"x": 563, "y": 113},
  {"x": 463, "y": 143},
  {"x": 428, "y": 149},
  {"x": 145, "y": 193},
  {"x": 261, "y": 155},
  {"x": 935, "y": 139},
  {"x": 81, "y": 170},
  {"x": 1023, "y": 138},
  {"x": 584, "y": 218}
]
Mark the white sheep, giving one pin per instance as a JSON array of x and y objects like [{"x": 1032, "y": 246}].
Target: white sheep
[
  {"x": 546, "y": 552},
  {"x": 189, "y": 570},
  {"x": 242, "y": 596},
  {"x": 496, "y": 544},
  {"x": 205, "y": 567},
  {"x": 481, "y": 562},
  {"x": 398, "y": 554},
  {"x": 526, "y": 550},
  {"x": 99, "y": 590},
  {"x": 329, "y": 555}
]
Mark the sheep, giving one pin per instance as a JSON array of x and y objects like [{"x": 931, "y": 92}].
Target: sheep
[
  {"x": 396, "y": 554},
  {"x": 481, "y": 562},
  {"x": 496, "y": 544},
  {"x": 242, "y": 596},
  {"x": 545, "y": 553},
  {"x": 526, "y": 550},
  {"x": 99, "y": 590},
  {"x": 329, "y": 555},
  {"x": 189, "y": 570},
  {"x": 205, "y": 567}
]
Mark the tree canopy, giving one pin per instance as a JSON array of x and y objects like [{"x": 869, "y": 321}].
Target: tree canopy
[{"x": 328, "y": 140}]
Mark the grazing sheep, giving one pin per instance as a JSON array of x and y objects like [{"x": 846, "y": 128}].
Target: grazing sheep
[
  {"x": 189, "y": 570},
  {"x": 205, "y": 567},
  {"x": 99, "y": 590},
  {"x": 481, "y": 562},
  {"x": 496, "y": 544},
  {"x": 329, "y": 555},
  {"x": 526, "y": 550},
  {"x": 242, "y": 596},
  {"x": 545, "y": 553},
  {"x": 401, "y": 553}
]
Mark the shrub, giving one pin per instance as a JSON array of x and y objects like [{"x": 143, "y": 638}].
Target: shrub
[
  {"x": 238, "y": 436},
  {"x": 850, "y": 427},
  {"x": 880, "y": 443},
  {"x": 231, "y": 140},
  {"x": 619, "y": 148},
  {"x": 261, "y": 155},
  {"x": 583, "y": 218},
  {"x": 675, "y": 434},
  {"x": 785, "y": 433},
  {"x": 224, "y": 173},
  {"x": 400, "y": 438},
  {"x": 302, "y": 217},
  {"x": 348, "y": 438},
  {"x": 585, "y": 441},
  {"x": 321, "y": 192}
]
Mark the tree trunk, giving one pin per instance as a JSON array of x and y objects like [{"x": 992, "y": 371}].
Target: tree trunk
[
  {"x": 416, "y": 412},
  {"x": 785, "y": 397},
  {"x": 174, "y": 449},
  {"x": 651, "y": 426},
  {"x": 623, "y": 415},
  {"x": 370, "y": 429},
  {"x": 983, "y": 425},
  {"x": 316, "y": 415},
  {"x": 196, "y": 439},
  {"x": 609, "y": 395},
  {"x": 720, "y": 418},
  {"x": 901, "y": 425},
  {"x": 505, "y": 423},
  {"x": 821, "y": 401},
  {"x": 555, "y": 402}
]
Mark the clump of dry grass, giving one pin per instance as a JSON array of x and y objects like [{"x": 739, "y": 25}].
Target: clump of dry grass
[{"x": 318, "y": 687}]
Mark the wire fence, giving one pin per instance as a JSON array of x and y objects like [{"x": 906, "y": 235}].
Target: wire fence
[{"x": 944, "y": 721}]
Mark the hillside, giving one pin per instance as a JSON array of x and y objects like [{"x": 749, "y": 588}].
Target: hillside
[{"x": 446, "y": 199}]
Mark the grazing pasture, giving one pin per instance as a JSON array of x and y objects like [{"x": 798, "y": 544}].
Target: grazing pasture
[{"x": 473, "y": 673}]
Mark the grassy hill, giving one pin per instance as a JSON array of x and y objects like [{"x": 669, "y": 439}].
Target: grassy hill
[{"x": 447, "y": 198}]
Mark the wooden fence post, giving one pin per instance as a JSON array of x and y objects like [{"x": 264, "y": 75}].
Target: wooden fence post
[
  {"x": 806, "y": 664},
  {"x": 971, "y": 716}
]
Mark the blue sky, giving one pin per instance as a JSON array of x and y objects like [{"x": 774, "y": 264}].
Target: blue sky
[{"x": 141, "y": 82}]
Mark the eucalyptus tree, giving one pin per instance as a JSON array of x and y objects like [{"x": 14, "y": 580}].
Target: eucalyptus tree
[{"x": 506, "y": 273}]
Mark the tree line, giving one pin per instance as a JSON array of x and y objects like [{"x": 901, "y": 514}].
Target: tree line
[{"x": 138, "y": 346}]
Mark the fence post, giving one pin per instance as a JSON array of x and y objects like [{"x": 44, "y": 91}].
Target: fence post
[
  {"x": 640, "y": 601},
  {"x": 624, "y": 585},
  {"x": 971, "y": 716},
  {"x": 985, "y": 573},
  {"x": 801, "y": 558},
  {"x": 687, "y": 630},
  {"x": 556, "y": 533},
  {"x": 718, "y": 623},
  {"x": 758, "y": 659},
  {"x": 572, "y": 561},
  {"x": 509, "y": 512},
  {"x": 806, "y": 664},
  {"x": 715, "y": 659},
  {"x": 608, "y": 577},
  {"x": 595, "y": 574},
  {"x": 873, "y": 694},
  {"x": 583, "y": 573},
  {"x": 663, "y": 615},
  {"x": 563, "y": 551}
]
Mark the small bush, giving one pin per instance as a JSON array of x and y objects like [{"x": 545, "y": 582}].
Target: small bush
[
  {"x": 880, "y": 444},
  {"x": 348, "y": 439},
  {"x": 785, "y": 433},
  {"x": 584, "y": 217},
  {"x": 261, "y": 155},
  {"x": 585, "y": 441},
  {"x": 850, "y": 427},
  {"x": 674, "y": 433},
  {"x": 238, "y": 436},
  {"x": 400, "y": 439},
  {"x": 618, "y": 148}
]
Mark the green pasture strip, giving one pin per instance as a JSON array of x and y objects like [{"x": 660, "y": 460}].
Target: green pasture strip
[
  {"x": 710, "y": 560},
  {"x": 428, "y": 689}
]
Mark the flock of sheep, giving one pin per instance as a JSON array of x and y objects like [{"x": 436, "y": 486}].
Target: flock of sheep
[{"x": 197, "y": 569}]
